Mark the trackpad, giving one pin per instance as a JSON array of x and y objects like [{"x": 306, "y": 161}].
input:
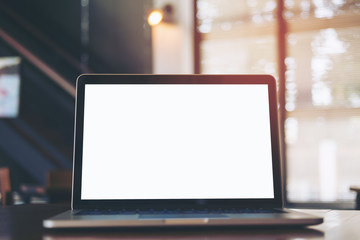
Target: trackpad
[{"x": 181, "y": 216}]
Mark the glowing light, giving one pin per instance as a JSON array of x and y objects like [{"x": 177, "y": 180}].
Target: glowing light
[{"x": 155, "y": 17}]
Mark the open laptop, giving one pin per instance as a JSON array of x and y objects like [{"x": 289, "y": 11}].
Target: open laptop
[{"x": 176, "y": 150}]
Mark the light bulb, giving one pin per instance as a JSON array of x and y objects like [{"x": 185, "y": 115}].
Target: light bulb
[{"x": 155, "y": 17}]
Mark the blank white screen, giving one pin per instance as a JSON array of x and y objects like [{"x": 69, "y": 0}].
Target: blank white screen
[{"x": 158, "y": 141}]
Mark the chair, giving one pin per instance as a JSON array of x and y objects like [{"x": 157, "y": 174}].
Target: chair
[
  {"x": 357, "y": 201},
  {"x": 59, "y": 184},
  {"x": 5, "y": 187}
]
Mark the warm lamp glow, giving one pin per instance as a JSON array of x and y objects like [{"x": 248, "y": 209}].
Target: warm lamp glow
[{"x": 155, "y": 17}]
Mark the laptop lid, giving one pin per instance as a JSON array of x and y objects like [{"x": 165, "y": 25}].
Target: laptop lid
[{"x": 176, "y": 141}]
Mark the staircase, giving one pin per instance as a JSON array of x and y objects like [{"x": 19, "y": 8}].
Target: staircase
[
  {"x": 40, "y": 138},
  {"x": 49, "y": 38}
]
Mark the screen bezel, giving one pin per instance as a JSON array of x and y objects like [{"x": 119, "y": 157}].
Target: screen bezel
[{"x": 78, "y": 203}]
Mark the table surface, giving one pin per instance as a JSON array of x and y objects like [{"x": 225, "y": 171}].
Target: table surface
[{"x": 25, "y": 222}]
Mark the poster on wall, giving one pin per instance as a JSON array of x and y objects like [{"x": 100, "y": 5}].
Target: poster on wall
[{"x": 9, "y": 87}]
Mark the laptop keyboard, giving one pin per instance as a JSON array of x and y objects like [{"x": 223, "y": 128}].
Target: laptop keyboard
[{"x": 175, "y": 211}]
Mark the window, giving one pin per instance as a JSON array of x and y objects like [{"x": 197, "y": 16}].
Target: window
[
  {"x": 322, "y": 99},
  {"x": 237, "y": 36},
  {"x": 321, "y": 81}
]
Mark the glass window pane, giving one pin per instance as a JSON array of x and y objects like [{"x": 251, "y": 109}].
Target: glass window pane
[
  {"x": 322, "y": 126},
  {"x": 237, "y": 36},
  {"x": 322, "y": 100}
]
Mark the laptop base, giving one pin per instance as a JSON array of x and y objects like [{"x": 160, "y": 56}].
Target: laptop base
[{"x": 69, "y": 219}]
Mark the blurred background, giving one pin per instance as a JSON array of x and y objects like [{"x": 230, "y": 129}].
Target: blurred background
[{"x": 312, "y": 47}]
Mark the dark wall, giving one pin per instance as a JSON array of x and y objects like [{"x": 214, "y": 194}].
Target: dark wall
[
  {"x": 41, "y": 137},
  {"x": 57, "y": 20},
  {"x": 120, "y": 38}
]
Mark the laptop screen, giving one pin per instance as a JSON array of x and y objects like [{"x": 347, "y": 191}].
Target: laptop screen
[{"x": 176, "y": 141}]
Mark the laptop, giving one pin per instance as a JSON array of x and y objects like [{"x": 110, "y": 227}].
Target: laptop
[{"x": 176, "y": 150}]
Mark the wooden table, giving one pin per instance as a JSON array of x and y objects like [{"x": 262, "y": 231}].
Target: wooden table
[{"x": 25, "y": 222}]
